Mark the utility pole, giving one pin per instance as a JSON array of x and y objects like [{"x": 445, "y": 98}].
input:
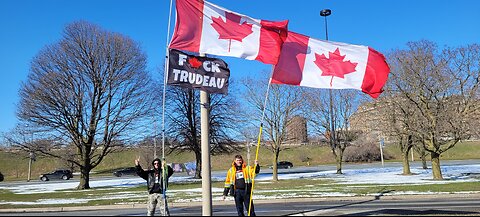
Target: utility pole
[
  {"x": 382, "y": 142},
  {"x": 31, "y": 158},
  {"x": 206, "y": 168},
  {"x": 29, "y": 166},
  {"x": 31, "y": 155}
]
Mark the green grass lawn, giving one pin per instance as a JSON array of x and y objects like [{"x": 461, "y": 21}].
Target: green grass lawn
[
  {"x": 185, "y": 192},
  {"x": 461, "y": 151},
  {"x": 14, "y": 166}
]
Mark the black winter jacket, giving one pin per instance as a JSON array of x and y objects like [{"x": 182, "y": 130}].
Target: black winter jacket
[{"x": 149, "y": 175}]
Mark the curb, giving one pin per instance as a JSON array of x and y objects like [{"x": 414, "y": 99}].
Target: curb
[{"x": 228, "y": 202}]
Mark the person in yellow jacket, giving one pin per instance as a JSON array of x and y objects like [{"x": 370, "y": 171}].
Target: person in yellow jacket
[{"x": 239, "y": 184}]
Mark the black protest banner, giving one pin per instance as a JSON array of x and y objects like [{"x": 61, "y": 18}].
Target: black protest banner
[{"x": 189, "y": 71}]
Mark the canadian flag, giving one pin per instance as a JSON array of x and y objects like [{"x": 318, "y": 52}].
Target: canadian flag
[
  {"x": 309, "y": 62},
  {"x": 203, "y": 27}
]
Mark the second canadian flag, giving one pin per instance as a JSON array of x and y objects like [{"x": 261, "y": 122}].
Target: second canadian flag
[{"x": 309, "y": 62}]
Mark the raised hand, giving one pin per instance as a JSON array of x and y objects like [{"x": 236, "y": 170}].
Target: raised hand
[
  {"x": 164, "y": 162},
  {"x": 137, "y": 161}
]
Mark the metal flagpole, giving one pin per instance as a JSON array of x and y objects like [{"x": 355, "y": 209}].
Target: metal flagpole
[
  {"x": 154, "y": 138},
  {"x": 259, "y": 139},
  {"x": 165, "y": 77}
]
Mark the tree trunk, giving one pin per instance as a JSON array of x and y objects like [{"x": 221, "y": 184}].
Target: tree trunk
[
  {"x": 406, "y": 163},
  {"x": 84, "y": 179},
  {"x": 406, "y": 149},
  {"x": 423, "y": 155},
  {"x": 276, "y": 152},
  {"x": 339, "y": 160},
  {"x": 198, "y": 159},
  {"x": 436, "y": 170},
  {"x": 85, "y": 170},
  {"x": 85, "y": 174}
]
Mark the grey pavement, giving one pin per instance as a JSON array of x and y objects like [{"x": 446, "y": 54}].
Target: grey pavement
[{"x": 445, "y": 204}]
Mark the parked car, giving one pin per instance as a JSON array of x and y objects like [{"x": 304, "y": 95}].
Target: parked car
[
  {"x": 57, "y": 174},
  {"x": 283, "y": 165},
  {"x": 129, "y": 171},
  {"x": 1, "y": 177}
]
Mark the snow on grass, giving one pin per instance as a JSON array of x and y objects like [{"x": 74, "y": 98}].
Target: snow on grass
[
  {"x": 195, "y": 190},
  {"x": 387, "y": 175},
  {"x": 377, "y": 176},
  {"x": 47, "y": 202}
]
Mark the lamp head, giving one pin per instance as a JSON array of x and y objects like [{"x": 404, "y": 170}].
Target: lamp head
[{"x": 325, "y": 12}]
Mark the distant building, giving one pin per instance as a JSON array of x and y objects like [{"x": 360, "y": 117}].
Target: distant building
[
  {"x": 370, "y": 119},
  {"x": 297, "y": 130},
  {"x": 374, "y": 118},
  {"x": 367, "y": 118}
]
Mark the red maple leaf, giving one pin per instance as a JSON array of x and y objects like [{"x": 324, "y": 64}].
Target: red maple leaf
[
  {"x": 334, "y": 65},
  {"x": 231, "y": 29},
  {"x": 194, "y": 62}
]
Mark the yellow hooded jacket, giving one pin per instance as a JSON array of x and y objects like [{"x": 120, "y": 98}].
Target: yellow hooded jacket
[{"x": 248, "y": 173}]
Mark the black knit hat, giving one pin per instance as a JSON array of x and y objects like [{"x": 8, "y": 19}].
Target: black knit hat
[{"x": 156, "y": 159}]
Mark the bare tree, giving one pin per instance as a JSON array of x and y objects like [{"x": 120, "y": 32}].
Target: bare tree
[
  {"x": 144, "y": 149},
  {"x": 90, "y": 91},
  {"x": 345, "y": 104},
  {"x": 443, "y": 88},
  {"x": 398, "y": 117},
  {"x": 284, "y": 102},
  {"x": 183, "y": 120}
]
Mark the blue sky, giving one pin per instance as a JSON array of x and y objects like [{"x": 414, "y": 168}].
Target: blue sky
[{"x": 28, "y": 25}]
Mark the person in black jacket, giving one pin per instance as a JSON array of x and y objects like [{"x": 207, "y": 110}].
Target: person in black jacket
[{"x": 154, "y": 179}]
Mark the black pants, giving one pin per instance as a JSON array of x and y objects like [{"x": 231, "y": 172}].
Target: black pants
[{"x": 242, "y": 198}]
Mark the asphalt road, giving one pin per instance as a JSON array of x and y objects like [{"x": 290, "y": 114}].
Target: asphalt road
[{"x": 445, "y": 205}]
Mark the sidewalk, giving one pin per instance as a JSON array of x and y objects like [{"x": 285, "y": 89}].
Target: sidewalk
[{"x": 286, "y": 201}]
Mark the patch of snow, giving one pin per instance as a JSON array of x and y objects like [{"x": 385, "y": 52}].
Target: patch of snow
[
  {"x": 196, "y": 190},
  {"x": 48, "y": 202},
  {"x": 376, "y": 176}
]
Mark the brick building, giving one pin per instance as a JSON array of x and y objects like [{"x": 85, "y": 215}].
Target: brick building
[{"x": 297, "y": 130}]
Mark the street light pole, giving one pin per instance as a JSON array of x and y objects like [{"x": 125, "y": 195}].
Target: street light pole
[{"x": 325, "y": 13}]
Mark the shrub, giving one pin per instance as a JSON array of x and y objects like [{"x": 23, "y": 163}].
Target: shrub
[
  {"x": 305, "y": 159},
  {"x": 365, "y": 152}
]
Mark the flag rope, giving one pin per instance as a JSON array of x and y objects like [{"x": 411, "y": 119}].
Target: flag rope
[
  {"x": 165, "y": 77},
  {"x": 259, "y": 139}
]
